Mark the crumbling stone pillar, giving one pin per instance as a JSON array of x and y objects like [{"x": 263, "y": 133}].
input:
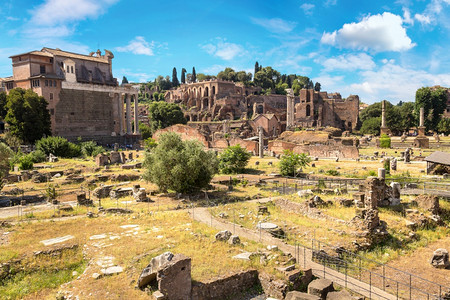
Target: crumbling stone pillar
[
  {"x": 136, "y": 114},
  {"x": 128, "y": 113},
  {"x": 382, "y": 173},
  {"x": 261, "y": 142},
  {"x": 394, "y": 164}
]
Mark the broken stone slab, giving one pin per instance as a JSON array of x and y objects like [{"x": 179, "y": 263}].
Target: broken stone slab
[
  {"x": 174, "y": 279},
  {"x": 57, "y": 240},
  {"x": 320, "y": 287},
  {"x": 440, "y": 259},
  {"x": 98, "y": 236},
  {"x": 117, "y": 210},
  {"x": 223, "y": 236},
  {"x": 112, "y": 270},
  {"x": 295, "y": 295},
  {"x": 149, "y": 273},
  {"x": 341, "y": 295},
  {"x": 266, "y": 226},
  {"x": 244, "y": 255},
  {"x": 129, "y": 226},
  {"x": 157, "y": 295}
]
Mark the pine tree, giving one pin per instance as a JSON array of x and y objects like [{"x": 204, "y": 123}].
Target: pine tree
[
  {"x": 194, "y": 75},
  {"x": 175, "y": 81},
  {"x": 183, "y": 75},
  {"x": 124, "y": 80}
]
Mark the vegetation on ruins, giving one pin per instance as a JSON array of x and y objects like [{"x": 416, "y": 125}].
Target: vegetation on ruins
[
  {"x": 180, "y": 166},
  {"x": 233, "y": 159},
  {"x": 162, "y": 114},
  {"x": 290, "y": 162},
  {"x": 90, "y": 148},
  {"x": 145, "y": 131},
  {"x": 434, "y": 102},
  {"x": 385, "y": 141},
  {"x": 27, "y": 115}
]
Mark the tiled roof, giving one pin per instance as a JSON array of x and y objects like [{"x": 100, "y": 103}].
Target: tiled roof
[
  {"x": 59, "y": 52},
  {"x": 439, "y": 157}
]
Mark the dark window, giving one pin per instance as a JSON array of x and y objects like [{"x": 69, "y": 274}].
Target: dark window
[
  {"x": 71, "y": 69},
  {"x": 54, "y": 83},
  {"x": 67, "y": 69},
  {"x": 52, "y": 111},
  {"x": 9, "y": 85},
  {"x": 42, "y": 69},
  {"x": 46, "y": 82},
  {"x": 51, "y": 82},
  {"x": 51, "y": 96},
  {"x": 51, "y": 60},
  {"x": 308, "y": 110}
]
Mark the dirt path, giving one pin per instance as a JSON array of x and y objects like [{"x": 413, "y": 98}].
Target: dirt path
[{"x": 303, "y": 255}]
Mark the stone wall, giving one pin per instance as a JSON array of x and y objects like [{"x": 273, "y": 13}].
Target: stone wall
[
  {"x": 251, "y": 146},
  {"x": 339, "y": 151},
  {"x": 82, "y": 113},
  {"x": 186, "y": 133},
  {"x": 225, "y": 287}
]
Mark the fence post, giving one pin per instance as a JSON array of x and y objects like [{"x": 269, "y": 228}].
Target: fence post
[
  {"x": 360, "y": 268},
  {"x": 304, "y": 257},
  {"x": 397, "y": 290},
  {"x": 370, "y": 284},
  {"x": 345, "y": 273},
  {"x": 384, "y": 278},
  {"x": 410, "y": 287}
]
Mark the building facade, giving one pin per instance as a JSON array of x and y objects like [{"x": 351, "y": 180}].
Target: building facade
[{"x": 84, "y": 98}]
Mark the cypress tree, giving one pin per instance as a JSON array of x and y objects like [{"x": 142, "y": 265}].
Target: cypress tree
[
  {"x": 194, "y": 75},
  {"x": 175, "y": 81},
  {"x": 183, "y": 75},
  {"x": 256, "y": 69}
]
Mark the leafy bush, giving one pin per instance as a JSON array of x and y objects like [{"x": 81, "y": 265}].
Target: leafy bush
[
  {"x": 58, "y": 146},
  {"x": 233, "y": 159},
  {"x": 291, "y": 161},
  {"x": 150, "y": 143},
  {"x": 38, "y": 156},
  {"x": 145, "y": 130},
  {"x": 372, "y": 173},
  {"x": 181, "y": 166},
  {"x": 91, "y": 149},
  {"x": 385, "y": 141},
  {"x": 26, "y": 162},
  {"x": 332, "y": 173}
]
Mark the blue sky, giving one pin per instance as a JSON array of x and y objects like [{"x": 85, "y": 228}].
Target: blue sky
[{"x": 375, "y": 49}]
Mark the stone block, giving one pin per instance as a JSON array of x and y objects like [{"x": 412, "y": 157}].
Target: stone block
[
  {"x": 341, "y": 295},
  {"x": 294, "y": 295},
  {"x": 320, "y": 287},
  {"x": 440, "y": 259},
  {"x": 174, "y": 278}
]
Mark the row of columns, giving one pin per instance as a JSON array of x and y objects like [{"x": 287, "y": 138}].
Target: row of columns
[{"x": 125, "y": 119}]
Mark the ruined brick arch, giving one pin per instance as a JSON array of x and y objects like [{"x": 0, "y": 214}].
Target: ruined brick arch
[
  {"x": 205, "y": 103},
  {"x": 199, "y": 92},
  {"x": 195, "y": 93},
  {"x": 260, "y": 109},
  {"x": 206, "y": 92},
  {"x": 308, "y": 110},
  {"x": 213, "y": 90}
]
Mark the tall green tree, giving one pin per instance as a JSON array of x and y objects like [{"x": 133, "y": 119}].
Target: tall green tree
[
  {"x": 175, "y": 81},
  {"x": 290, "y": 162},
  {"x": 5, "y": 154},
  {"x": 181, "y": 166},
  {"x": 27, "y": 115},
  {"x": 3, "y": 101},
  {"x": 317, "y": 87},
  {"x": 233, "y": 159},
  {"x": 162, "y": 114},
  {"x": 183, "y": 75},
  {"x": 256, "y": 69},
  {"x": 434, "y": 102},
  {"x": 194, "y": 75},
  {"x": 444, "y": 126}
]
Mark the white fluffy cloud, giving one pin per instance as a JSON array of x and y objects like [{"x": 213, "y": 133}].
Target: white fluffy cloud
[
  {"x": 395, "y": 83},
  {"x": 378, "y": 32},
  {"x": 53, "y": 12},
  {"x": 347, "y": 62},
  {"x": 307, "y": 8},
  {"x": 275, "y": 25},
  {"x": 432, "y": 11},
  {"x": 223, "y": 49},
  {"x": 138, "y": 46}
]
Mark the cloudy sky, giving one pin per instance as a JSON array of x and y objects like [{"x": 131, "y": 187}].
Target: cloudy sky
[{"x": 375, "y": 49}]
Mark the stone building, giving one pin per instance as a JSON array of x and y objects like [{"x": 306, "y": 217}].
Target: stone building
[
  {"x": 217, "y": 100},
  {"x": 84, "y": 98}
]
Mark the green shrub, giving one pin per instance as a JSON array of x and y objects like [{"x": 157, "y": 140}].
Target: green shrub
[
  {"x": 332, "y": 173},
  {"x": 26, "y": 162},
  {"x": 385, "y": 141},
  {"x": 150, "y": 143},
  {"x": 38, "y": 156},
  {"x": 91, "y": 149},
  {"x": 290, "y": 162},
  {"x": 58, "y": 146},
  {"x": 233, "y": 159}
]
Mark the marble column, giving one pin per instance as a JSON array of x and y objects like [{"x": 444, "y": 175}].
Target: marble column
[
  {"x": 290, "y": 108},
  {"x": 422, "y": 117},
  {"x": 261, "y": 141},
  {"x": 383, "y": 114},
  {"x": 136, "y": 114},
  {"x": 128, "y": 112},
  {"x": 120, "y": 110}
]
